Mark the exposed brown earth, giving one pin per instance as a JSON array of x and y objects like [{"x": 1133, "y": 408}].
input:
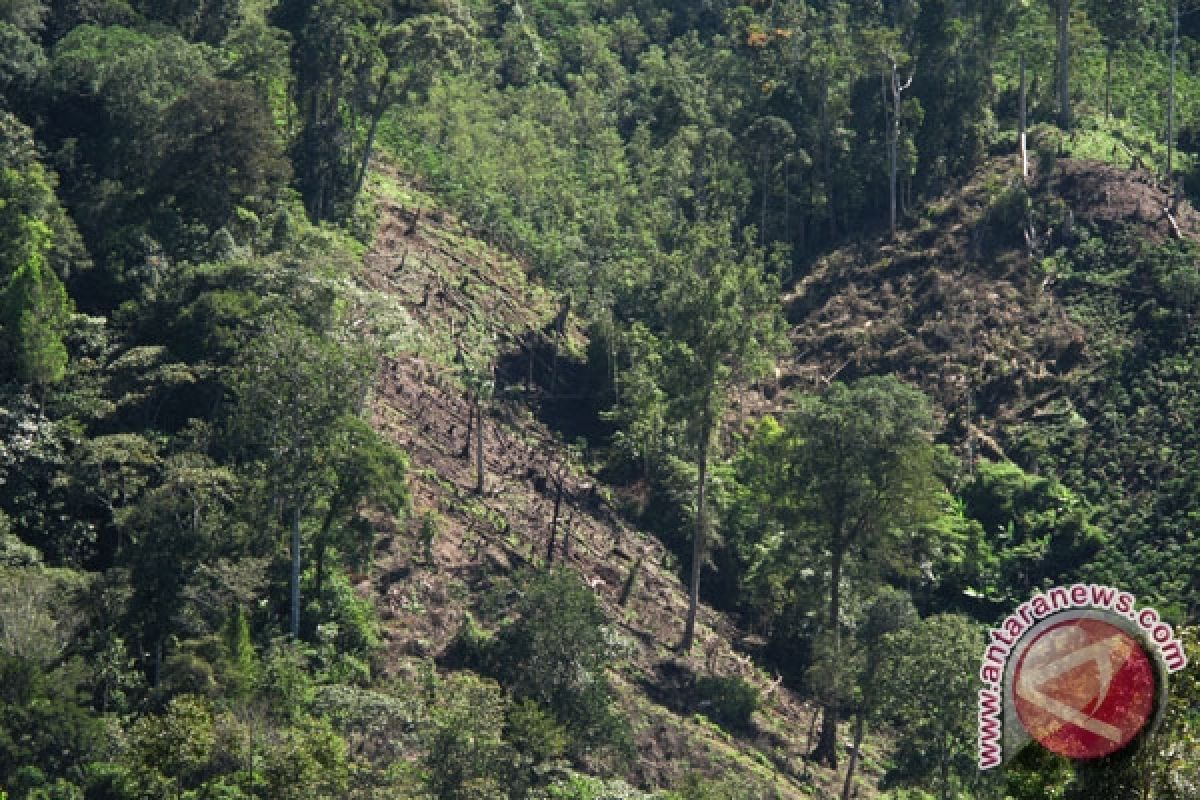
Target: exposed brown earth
[{"x": 422, "y": 404}]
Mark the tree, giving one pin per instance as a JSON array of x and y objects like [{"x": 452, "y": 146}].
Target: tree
[
  {"x": 555, "y": 652},
  {"x": 202, "y": 20},
  {"x": 180, "y": 524},
  {"x": 411, "y": 54},
  {"x": 1118, "y": 21},
  {"x": 855, "y": 471},
  {"x": 898, "y": 87},
  {"x": 928, "y": 685},
  {"x": 721, "y": 325},
  {"x": 295, "y": 390},
  {"x": 1063, "y": 39},
  {"x": 351, "y": 58},
  {"x": 889, "y": 611},
  {"x": 34, "y": 311},
  {"x": 365, "y": 466},
  {"x": 219, "y": 151}
]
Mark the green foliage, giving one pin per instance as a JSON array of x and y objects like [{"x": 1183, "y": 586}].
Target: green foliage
[
  {"x": 466, "y": 757},
  {"x": 554, "y": 652},
  {"x": 927, "y": 681},
  {"x": 47, "y": 730},
  {"x": 1037, "y": 530},
  {"x": 729, "y": 701},
  {"x": 34, "y": 313},
  {"x": 216, "y": 393}
]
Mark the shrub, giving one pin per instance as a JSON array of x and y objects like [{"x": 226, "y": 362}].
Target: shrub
[
  {"x": 554, "y": 652},
  {"x": 730, "y": 702}
]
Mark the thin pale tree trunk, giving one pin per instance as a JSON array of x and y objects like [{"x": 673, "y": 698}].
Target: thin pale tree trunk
[
  {"x": 295, "y": 616},
  {"x": 480, "y": 471},
  {"x": 1064, "y": 64},
  {"x": 689, "y": 630},
  {"x": 1022, "y": 122}
]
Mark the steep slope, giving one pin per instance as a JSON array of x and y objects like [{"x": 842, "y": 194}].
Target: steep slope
[
  {"x": 449, "y": 301},
  {"x": 963, "y": 304}
]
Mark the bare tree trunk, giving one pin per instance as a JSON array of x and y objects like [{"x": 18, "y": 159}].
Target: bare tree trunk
[
  {"x": 480, "y": 472},
  {"x": 826, "y": 752},
  {"x": 295, "y": 617},
  {"x": 466, "y": 451},
  {"x": 558, "y": 495},
  {"x": 1022, "y": 121},
  {"x": 826, "y": 147},
  {"x": 1064, "y": 64},
  {"x": 898, "y": 90},
  {"x": 1171, "y": 105},
  {"x": 376, "y": 115},
  {"x": 1108, "y": 54},
  {"x": 689, "y": 630},
  {"x": 852, "y": 764}
]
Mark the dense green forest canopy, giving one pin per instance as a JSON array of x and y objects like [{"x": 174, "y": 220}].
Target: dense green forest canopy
[{"x": 194, "y": 478}]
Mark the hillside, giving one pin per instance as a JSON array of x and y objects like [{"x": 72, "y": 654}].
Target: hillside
[
  {"x": 958, "y": 305},
  {"x": 581, "y": 400},
  {"x": 449, "y": 282}
]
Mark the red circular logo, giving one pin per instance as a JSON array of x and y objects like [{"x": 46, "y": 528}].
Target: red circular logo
[{"x": 1084, "y": 688}]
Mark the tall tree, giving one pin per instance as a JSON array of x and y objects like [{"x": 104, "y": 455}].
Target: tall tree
[
  {"x": 351, "y": 58},
  {"x": 898, "y": 85},
  {"x": 928, "y": 681},
  {"x": 294, "y": 391},
  {"x": 857, "y": 468},
  {"x": 888, "y": 612},
  {"x": 1063, "y": 40},
  {"x": 1119, "y": 22},
  {"x": 721, "y": 324}
]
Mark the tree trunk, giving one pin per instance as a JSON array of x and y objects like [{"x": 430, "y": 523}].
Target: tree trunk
[
  {"x": 466, "y": 451},
  {"x": 376, "y": 116},
  {"x": 898, "y": 90},
  {"x": 892, "y": 167},
  {"x": 826, "y": 147},
  {"x": 826, "y": 752},
  {"x": 1064, "y": 64},
  {"x": 480, "y": 472},
  {"x": 558, "y": 494},
  {"x": 689, "y": 630},
  {"x": 1171, "y": 105},
  {"x": 852, "y": 764},
  {"x": 860, "y": 720},
  {"x": 1108, "y": 53},
  {"x": 1022, "y": 121},
  {"x": 295, "y": 617}
]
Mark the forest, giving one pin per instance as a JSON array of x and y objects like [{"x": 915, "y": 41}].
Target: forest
[{"x": 584, "y": 399}]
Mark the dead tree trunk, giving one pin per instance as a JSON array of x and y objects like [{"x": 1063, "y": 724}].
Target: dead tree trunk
[
  {"x": 559, "y": 482},
  {"x": 1021, "y": 124},
  {"x": 480, "y": 472},
  {"x": 1171, "y": 105},
  {"x": 466, "y": 451},
  {"x": 1064, "y": 64},
  {"x": 898, "y": 89},
  {"x": 698, "y": 536}
]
